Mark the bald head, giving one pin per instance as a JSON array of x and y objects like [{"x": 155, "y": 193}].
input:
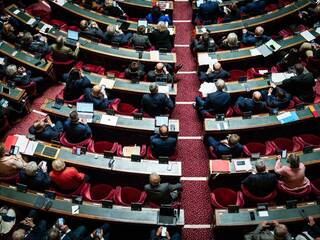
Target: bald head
[
  {"x": 163, "y": 131},
  {"x": 256, "y": 96},
  {"x": 154, "y": 179},
  {"x": 220, "y": 84},
  {"x": 217, "y": 66},
  {"x": 83, "y": 24},
  {"x": 159, "y": 67},
  {"x": 259, "y": 31},
  {"x": 96, "y": 90},
  {"x": 260, "y": 166}
]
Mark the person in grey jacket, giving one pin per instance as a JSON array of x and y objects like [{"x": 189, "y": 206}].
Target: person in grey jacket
[
  {"x": 161, "y": 193},
  {"x": 139, "y": 39},
  {"x": 263, "y": 231}
]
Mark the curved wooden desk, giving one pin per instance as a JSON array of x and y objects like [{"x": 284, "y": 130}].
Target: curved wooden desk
[{"x": 143, "y": 4}]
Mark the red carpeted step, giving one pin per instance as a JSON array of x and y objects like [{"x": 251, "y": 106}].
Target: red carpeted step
[
  {"x": 197, "y": 234},
  {"x": 23, "y": 126},
  {"x": 182, "y": 11},
  {"x": 183, "y": 28},
  {"x": 51, "y": 92},
  {"x": 184, "y": 56},
  {"x": 189, "y": 86}
]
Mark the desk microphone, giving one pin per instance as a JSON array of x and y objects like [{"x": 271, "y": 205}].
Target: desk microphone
[{"x": 111, "y": 163}]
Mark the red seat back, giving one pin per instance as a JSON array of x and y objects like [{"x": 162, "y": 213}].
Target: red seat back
[
  {"x": 236, "y": 74},
  {"x": 99, "y": 193},
  {"x": 258, "y": 199},
  {"x": 315, "y": 187},
  {"x": 222, "y": 197},
  {"x": 310, "y": 140},
  {"x": 250, "y": 148},
  {"x": 127, "y": 195},
  {"x": 126, "y": 109},
  {"x": 101, "y": 146}
]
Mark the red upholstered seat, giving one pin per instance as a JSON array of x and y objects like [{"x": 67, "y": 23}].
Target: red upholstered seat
[
  {"x": 78, "y": 192},
  {"x": 257, "y": 199},
  {"x": 222, "y": 197},
  {"x": 11, "y": 179},
  {"x": 61, "y": 96},
  {"x": 124, "y": 108},
  {"x": 127, "y": 195},
  {"x": 151, "y": 157},
  {"x": 315, "y": 187},
  {"x": 261, "y": 148},
  {"x": 99, "y": 192},
  {"x": 236, "y": 74},
  {"x": 30, "y": 88},
  {"x": 254, "y": 72},
  {"x": 229, "y": 113},
  {"x": 101, "y": 146},
  {"x": 304, "y": 192},
  {"x": 212, "y": 153},
  {"x": 309, "y": 140},
  {"x": 86, "y": 143},
  {"x": 286, "y": 144},
  {"x": 297, "y": 100}
]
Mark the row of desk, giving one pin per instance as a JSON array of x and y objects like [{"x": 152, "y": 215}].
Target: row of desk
[
  {"x": 254, "y": 21},
  {"x": 144, "y": 3},
  {"x": 125, "y": 123},
  {"x": 99, "y": 49},
  {"x": 90, "y": 211}
]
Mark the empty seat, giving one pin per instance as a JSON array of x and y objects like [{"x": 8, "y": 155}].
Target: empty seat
[
  {"x": 302, "y": 193},
  {"x": 236, "y": 74},
  {"x": 152, "y": 157},
  {"x": 257, "y": 199},
  {"x": 309, "y": 140},
  {"x": 101, "y": 146},
  {"x": 261, "y": 148},
  {"x": 285, "y": 144},
  {"x": 99, "y": 192},
  {"x": 315, "y": 187},
  {"x": 223, "y": 197},
  {"x": 127, "y": 195}
]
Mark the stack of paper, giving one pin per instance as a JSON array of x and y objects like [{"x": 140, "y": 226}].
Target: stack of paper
[
  {"x": 206, "y": 88},
  {"x": 205, "y": 59},
  {"x": 22, "y": 143},
  {"x": 163, "y": 89},
  {"x": 45, "y": 27},
  {"x": 287, "y": 117},
  {"x": 255, "y": 52},
  {"x": 107, "y": 82},
  {"x": 109, "y": 120},
  {"x": 160, "y": 120},
  {"x": 154, "y": 55},
  {"x": 31, "y": 148},
  {"x": 279, "y": 77},
  {"x": 307, "y": 35},
  {"x": 273, "y": 45},
  {"x": 242, "y": 164},
  {"x": 318, "y": 30},
  {"x": 264, "y": 50},
  {"x": 222, "y": 125},
  {"x": 17, "y": 11}
]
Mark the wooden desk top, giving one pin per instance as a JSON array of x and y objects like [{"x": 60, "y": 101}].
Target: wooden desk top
[
  {"x": 254, "y": 21},
  {"x": 259, "y": 121},
  {"x": 15, "y": 94},
  {"x": 143, "y": 3},
  {"x": 245, "y": 54},
  {"x": 279, "y": 213},
  {"x": 121, "y": 164},
  {"x": 123, "y": 123},
  {"x": 98, "y": 48},
  {"x": 308, "y": 159},
  {"x": 127, "y": 86},
  {"x": 24, "y": 57},
  {"x": 90, "y": 211}
]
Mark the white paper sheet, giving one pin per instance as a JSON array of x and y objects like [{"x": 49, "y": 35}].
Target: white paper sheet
[
  {"x": 31, "y": 148},
  {"x": 109, "y": 120},
  {"x": 109, "y": 83},
  {"x": 75, "y": 209},
  {"x": 17, "y": 11},
  {"x": 255, "y": 52},
  {"x": 31, "y": 21},
  {"x": 163, "y": 89},
  {"x": 44, "y": 27},
  {"x": 245, "y": 167},
  {"x": 263, "y": 71},
  {"x": 205, "y": 59},
  {"x": 206, "y": 88},
  {"x": 279, "y": 77},
  {"x": 307, "y": 35},
  {"x": 263, "y": 214},
  {"x": 276, "y": 46},
  {"x": 22, "y": 143}
]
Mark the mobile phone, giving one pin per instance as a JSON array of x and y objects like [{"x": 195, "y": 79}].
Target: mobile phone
[
  {"x": 252, "y": 216},
  {"x": 60, "y": 221},
  {"x": 164, "y": 232},
  {"x": 169, "y": 167},
  {"x": 284, "y": 153},
  {"x": 240, "y": 163},
  {"x": 14, "y": 150},
  {"x": 78, "y": 151}
]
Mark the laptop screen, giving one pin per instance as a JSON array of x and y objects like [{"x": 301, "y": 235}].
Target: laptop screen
[
  {"x": 73, "y": 35},
  {"x": 142, "y": 22},
  {"x": 85, "y": 107}
]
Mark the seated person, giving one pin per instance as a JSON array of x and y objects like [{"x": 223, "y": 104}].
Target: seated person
[
  {"x": 301, "y": 85},
  {"x": 232, "y": 13},
  {"x": 254, "y": 7},
  {"x": 76, "y": 83},
  {"x": 230, "y": 42},
  {"x": 160, "y": 38},
  {"x": 255, "y": 104},
  {"x": 140, "y": 39},
  {"x": 112, "y": 8},
  {"x": 292, "y": 176},
  {"x": 212, "y": 75},
  {"x": 9, "y": 33},
  {"x": 257, "y": 38},
  {"x": 160, "y": 74},
  {"x": 228, "y": 146},
  {"x": 276, "y": 97},
  {"x": 279, "y": 232},
  {"x": 91, "y": 30},
  {"x": 21, "y": 77},
  {"x": 62, "y": 53},
  {"x": 288, "y": 60},
  {"x": 61, "y": 231},
  {"x": 98, "y": 97},
  {"x": 101, "y": 233},
  {"x": 156, "y": 16},
  {"x": 161, "y": 144},
  {"x": 10, "y": 165},
  {"x": 161, "y": 193},
  {"x": 113, "y": 35},
  {"x": 45, "y": 130},
  {"x": 216, "y": 102},
  {"x": 204, "y": 44},
  {"x": 35, "y": 176},
  {"x": 35, "y": 44},
  {"x": 311, "y": 230},
  {"x": 135, "y": 71},
  {"x": 172, "y": 235},
  {"x": 66, "y": 179},
  {"x": 208, "y": 12},
  {"x": 261, "y": 183},
  {"x": 75, "y": 130},
  {"x": 154, "y": 103}
]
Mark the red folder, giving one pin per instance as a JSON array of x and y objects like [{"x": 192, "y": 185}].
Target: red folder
[
  {"x": 220, "y": 166},
  {"x": 10, "y": 140}
]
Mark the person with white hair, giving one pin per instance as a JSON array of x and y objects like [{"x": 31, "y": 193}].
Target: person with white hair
[
  {"x": 230, "y": 42},
  {"x": 160, "y": 37},
  {"x": 257, "y": 38},
  {"x": 114, "y": 35}
]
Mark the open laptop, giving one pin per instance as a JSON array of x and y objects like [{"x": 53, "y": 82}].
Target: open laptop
[
  {"x": 85, "y": 110},
  {"x": 72, "y": 37},
  {"x": 166, "y": 215}
]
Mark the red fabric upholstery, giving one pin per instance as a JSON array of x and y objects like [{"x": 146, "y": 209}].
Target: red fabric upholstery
[
  {"x": 101, "y": 146},
  {"x": 236, "y": 74},
  {"x": 151, "y": 157},
  {"x": 291, "y": 104},
  {"x": 143, "y": 151},
  {"x": 222, "y": 197},
  {"x": 261, "y": 148},
  {"x": 73, "y": 28},
  {"x": 229, "y": 113},
  {"x": 297, "y": 100},
  {"x": 90, "y": 68},
  {"x": 39, "y": 10},
  {"x": 114, "y": 104},
  {"x": 78, "y": 192},
  {"x": 61, "y": 96},
  {"x": 237, "y": 110},
  {"x": 124, "y": 108},
  {"x": 309, "y": 140},
  {"x": 313, "y": 66},
  {"x": 254, "y": 72},
  {"x": 271, "y": 7},
  {"x": 11, "y": 179},
  {"x": 63, "y": 25},
  {"x": 99, "y": 192},
  {"x": 127, "y": 195},
  {"x": 286, "y": 33},
  {"x": 86, "y": 143},
  {"x": 297, "y": 194},
  {"x": 315, "y": 186},
  {"x": 258, "y": 199},
  {"x": 212, "y": 153},
  {"x": 31, "y": 88},
  {"x": 288, "y": 144}
]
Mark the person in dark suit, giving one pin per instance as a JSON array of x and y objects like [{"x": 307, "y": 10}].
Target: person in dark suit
[
  {"x": 212, "y": 75},
  {"x": 112, "y": 8},
  {"x": 276, "y": 97},
  {"x": 21, "y": 77},
  {"x": 228, "y": 146},
  {"x": 135, "y": 71},
  {"x": 159, "y": 74},
  {"x": 35, "y": 176},
  {"x": 257, "y": 38},
  {"x": 160, "y": 38},
  {"x": 76, "y": 131},
  {"x": 161, "y": 193},
  {"x": 261, "y": 183},
  {"x": 230, "y": 42},
  {"x": 97, "y": 96},
  {"x": 140, "y": 39},
  {"x": 113, "y": 35},
  {"x": 216, "y": 102},
  {"x": 45, "y": 130},
  {"x": 62, "y": 53},
  {"x": 301, "y": 85},
  {"x": 208, "y": 12},
  {"x": 156, "y": 103},
  {"x": 35, "y": 44},
  {"x": 255, "y": 7},
  {"x": 76, "y": 83},
  {"x": 232, "y": 13},
  {"x": 91, "y": 30},
  {"x": 204, "y": 44},
  {"x": 161, "y": 144},
  {"x": 255, "y": 104},
  {"x": 9, "y": 33},
  {"x": 61, "y": 231}
]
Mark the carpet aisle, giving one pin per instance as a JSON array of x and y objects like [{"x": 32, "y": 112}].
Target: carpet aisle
[{"x": 191, "y": 150}]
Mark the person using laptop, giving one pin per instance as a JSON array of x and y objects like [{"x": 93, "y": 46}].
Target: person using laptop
[
  {"x": 162, "y": 144},
  {"x": 155, "y": 103},
  {"x": 161, "y": 193},
  {"x": 91, "y": 30},
  {"x": 170, "y": 234},
  {"x": 98, "y": 97},
  {"x": 75, "y": 129},
  {"x": 45, "y": 130},
  {"x": 159, "y": 74},
  {"x": 62, "y": 53}
]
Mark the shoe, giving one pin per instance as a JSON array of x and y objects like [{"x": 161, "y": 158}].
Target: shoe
[{"x": 178, "y": 67}]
